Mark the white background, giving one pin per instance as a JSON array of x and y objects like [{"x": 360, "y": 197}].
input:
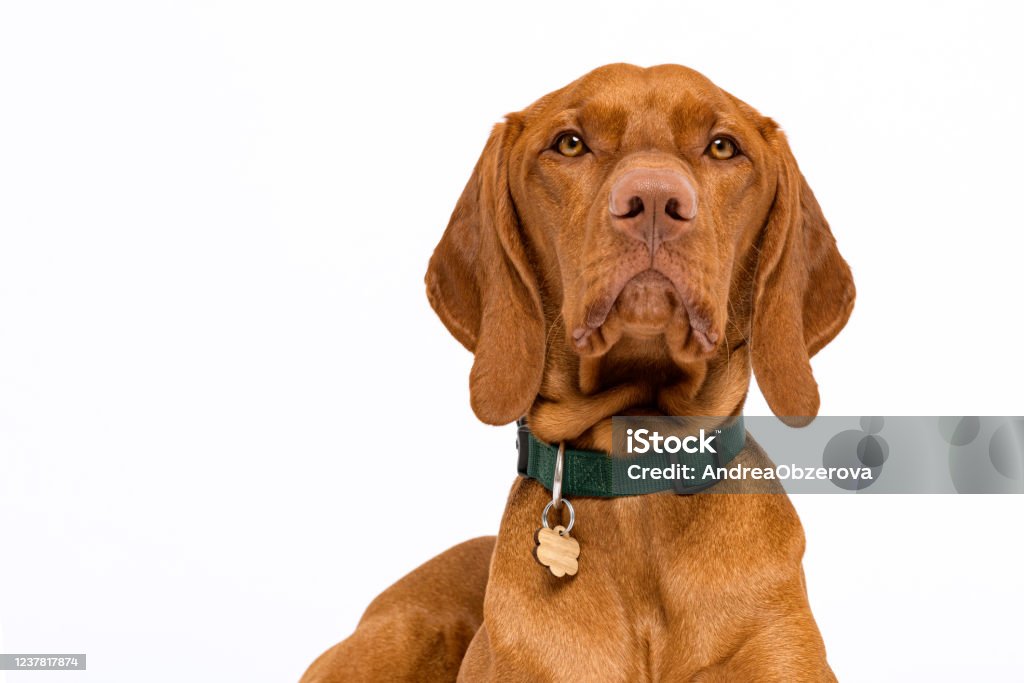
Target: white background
[{"x": 214, "y": 223}]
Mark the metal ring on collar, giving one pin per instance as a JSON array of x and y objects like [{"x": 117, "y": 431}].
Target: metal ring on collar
[
  {"x": 556, "y": 482},
  {"x": 572, "y": 516}
]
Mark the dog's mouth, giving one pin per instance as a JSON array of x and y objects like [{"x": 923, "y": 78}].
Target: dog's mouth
[{"x": 645, "y": 304}]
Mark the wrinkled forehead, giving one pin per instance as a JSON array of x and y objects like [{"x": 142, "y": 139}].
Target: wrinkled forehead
[{"x": 627, "y": 102}]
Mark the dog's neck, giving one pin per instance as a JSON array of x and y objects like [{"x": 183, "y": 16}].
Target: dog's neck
[{"x": 580, "y": 413}]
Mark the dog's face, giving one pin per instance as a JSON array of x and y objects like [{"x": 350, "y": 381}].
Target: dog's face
[
  {"x": 631, "y": 243},
  {"x": 642, "y": 184}
]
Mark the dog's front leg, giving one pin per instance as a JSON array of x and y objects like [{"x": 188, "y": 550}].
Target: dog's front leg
[
  {"x": 786, "y": 650},
  {"x": 419, "y": 628}
]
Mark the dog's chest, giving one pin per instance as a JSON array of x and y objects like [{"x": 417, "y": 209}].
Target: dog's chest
[{"x": 665, "y": 584}]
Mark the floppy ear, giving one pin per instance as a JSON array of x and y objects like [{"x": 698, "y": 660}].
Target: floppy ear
[
  {"x": 803, "y": 293},
  {"x": 483, "y": 288}
]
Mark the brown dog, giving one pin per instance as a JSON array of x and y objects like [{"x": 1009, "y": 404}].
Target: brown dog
[{"x": 634, "y": 243}]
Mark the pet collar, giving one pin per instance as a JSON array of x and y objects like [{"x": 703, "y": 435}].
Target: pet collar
[{"x": 596, "y": 473}]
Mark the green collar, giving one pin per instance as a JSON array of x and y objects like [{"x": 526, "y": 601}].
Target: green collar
[{"x": 596, "y": 473}]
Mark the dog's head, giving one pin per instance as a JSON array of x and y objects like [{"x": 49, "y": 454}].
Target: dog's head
[{"x": 634, "y": 243}]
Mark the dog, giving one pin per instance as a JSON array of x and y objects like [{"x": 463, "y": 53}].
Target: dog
[{"x": 638, "y": 242}]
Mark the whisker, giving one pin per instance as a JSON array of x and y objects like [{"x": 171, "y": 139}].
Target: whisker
[{"x": 554, "y": 323}]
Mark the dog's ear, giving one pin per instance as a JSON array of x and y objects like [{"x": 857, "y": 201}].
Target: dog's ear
[
  {"x": 482, "y": 286},
  {"x": 803, "y": 291}
]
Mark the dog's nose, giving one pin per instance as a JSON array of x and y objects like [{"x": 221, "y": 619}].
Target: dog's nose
[{"x": 653, "y": 205}]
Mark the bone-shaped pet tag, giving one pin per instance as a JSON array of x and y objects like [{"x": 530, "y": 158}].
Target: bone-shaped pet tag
[{"x": 557, "y": 550}]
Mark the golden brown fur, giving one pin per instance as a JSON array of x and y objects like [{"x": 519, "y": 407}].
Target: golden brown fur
[{"x": 572, "y": 320}]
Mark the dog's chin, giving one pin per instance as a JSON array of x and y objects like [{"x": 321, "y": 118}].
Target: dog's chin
[{"x": 648, "y": 306}]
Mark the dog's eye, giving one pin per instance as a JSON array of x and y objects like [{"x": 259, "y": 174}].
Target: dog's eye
[
  {"x": 722, "y": 148},
  {"x": 570, "y": 145}
]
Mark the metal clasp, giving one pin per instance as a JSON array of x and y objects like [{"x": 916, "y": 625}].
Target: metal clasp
[{"x": 556, "y": 481}]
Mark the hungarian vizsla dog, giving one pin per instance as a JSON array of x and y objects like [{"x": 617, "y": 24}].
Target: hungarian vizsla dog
[{"x": 635, "y": 243}]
